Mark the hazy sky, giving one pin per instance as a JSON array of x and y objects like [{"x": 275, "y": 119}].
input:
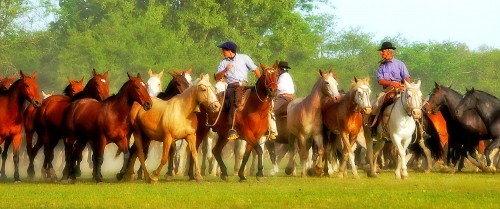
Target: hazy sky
[{"x": 475, "y": 22}]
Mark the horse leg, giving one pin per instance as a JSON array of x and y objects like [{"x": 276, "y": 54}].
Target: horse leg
[
  {"x": 318, "y": 139},
  {"x": 293, "y": 147},
  {"x": 217, "y": 152},
  {"x": 167, "y": 142},
  {"x": 487, "y": 152},
  {"x": 260, "y": 166},
  {"x": 49, "y": 157},
  {"x": 98, "y": 157},
  {"x": 246, "y": 155},
  {"x": 171, "y": 162},
  {"x": 401, "y": 164},
  {"x": 68, "y": 150},
  {"x": 428, "y": 157},
  {"x": 16, "y": 143},
  {"x": 272, "y": 155},
  {"x": 123, "y": 146},
  {"x": 239, "y": 151},
  {"x": 352, "y": 158},
  {"x": 4, "y": 157},
  {"x": 191, "y": 142}
]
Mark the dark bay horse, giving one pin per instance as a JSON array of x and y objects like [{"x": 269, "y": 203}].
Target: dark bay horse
[
  {"x": 103, "y": 122},
  {"x": 488, "y": 108},
  {"x": 48, "y": 121},
  {"x": 464, "y": 132},
  {"x": 30, "y": 112},
  {"x": 345, "y": 118},
  {"x": 11, "y": 112},
  {"x": 251, "y": 123}
]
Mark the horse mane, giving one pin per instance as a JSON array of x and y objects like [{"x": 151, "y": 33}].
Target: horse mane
[
  {"x": 485, "y": 94},
  {"x": 12, "y": 87},
  {"x": 67, "y": 90}
]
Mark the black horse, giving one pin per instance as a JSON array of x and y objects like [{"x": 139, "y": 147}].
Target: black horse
[
  {"x": 488, "y": 107},
  {"x": 464, "y": 132}
]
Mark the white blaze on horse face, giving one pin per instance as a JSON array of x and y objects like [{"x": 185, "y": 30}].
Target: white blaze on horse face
[
  {"x": 414, "y": 99},
  {"x": 332, "y": 86},
  {"x": 154, "y": 86},
  {"x": 362, "y": 98},
  {"x": 189, "y": 79}
]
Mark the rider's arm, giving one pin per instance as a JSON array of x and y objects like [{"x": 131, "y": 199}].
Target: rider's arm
[
  {"x": 221, "y": 74},
  {"x": 257, "y": 73}
]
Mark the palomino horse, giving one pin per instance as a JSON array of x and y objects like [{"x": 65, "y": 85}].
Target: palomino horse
[
  {"x": 176, "y": 86},
  {"x": 71, "y": 90},
  {"x": 11, "y": 113},
  {"x": 100, "y": 123},
  {"x": 168, "y": 121},
  {"x": 398, "y": 124},
  {"x": 488, "y": 107},
  {"x": 345, "y": 118},
  {"x": 465, "y": 131},
  {"x": 305, "y": 122},
  {"x": 49, "y": 125}
]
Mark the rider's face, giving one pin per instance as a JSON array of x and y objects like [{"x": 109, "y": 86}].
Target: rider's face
[
  {"x": 386, "y": 54},
  {"x": 227, "y": 53}
]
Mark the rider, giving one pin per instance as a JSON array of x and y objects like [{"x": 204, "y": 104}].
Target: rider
[
  {"x": 286, "y": 93},
  {"x": 234, "y": 67},
  {"x": 391, "y": 75}
]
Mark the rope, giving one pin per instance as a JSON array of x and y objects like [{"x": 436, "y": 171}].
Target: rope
[{"x": 218, "y": 114}]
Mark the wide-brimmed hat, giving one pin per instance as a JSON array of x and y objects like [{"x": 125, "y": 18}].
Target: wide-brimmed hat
[
  {"x": 283, "y": 64},
  {"x": 229, "y": 46},
  {"x": 386, "y": 45}
]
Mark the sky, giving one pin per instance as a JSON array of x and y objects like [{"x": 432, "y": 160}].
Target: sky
[{"x": 473, "y": 22}]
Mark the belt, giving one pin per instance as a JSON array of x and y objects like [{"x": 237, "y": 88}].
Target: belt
[{"x": 286, "y": 95}]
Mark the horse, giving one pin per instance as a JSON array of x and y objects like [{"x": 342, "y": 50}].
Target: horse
[
  {"x": 464, "y": 131},
  {"x": 168, "y": 121},
  {"x": 30, "y": 112},
  {"x": 177, "y": 85},
  {"x": 11, "y": 115},
  {"x": 305, "y": 121},
  {"x": 398, "y": 124},
  {"x": 103, "y": 122},
  {"x": 6, "y": 82},
  {"x": 49, "y": 124},
  {"x": 488, "y": 108},
  {"x": 345, "y": 118}
]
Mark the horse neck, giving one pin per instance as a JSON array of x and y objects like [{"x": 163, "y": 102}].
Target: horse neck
[
  {"x": 451, "y": 99},
  {"x": 258, "y": 98},
  {"x": 399, "y": 108},
  {"x": 16, "y": 101},
  {"x": 170, "y": 91},
  {"x": 313, "y": 100},
  {"x": 487, "y": 108},
  {"x": 189, "y": 99}
]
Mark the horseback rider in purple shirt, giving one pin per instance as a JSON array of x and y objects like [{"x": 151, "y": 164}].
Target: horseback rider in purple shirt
[{"x": 234, "y": 67}]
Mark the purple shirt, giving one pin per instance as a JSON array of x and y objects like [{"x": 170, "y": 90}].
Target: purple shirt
[{"x": 393, "y": 70}]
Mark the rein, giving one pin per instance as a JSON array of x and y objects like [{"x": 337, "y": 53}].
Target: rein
[{"x": 218, "y": 114}]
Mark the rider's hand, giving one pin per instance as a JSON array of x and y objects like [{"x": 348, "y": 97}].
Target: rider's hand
[{"x": 229, "y": 66}]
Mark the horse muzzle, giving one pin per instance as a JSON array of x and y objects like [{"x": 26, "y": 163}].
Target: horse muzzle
[
  {"x": 367, "y": 110},
  {"x": 36, "y": 103},
  {"x": 215, "y": 107},
  {"x": 416, "y": 113},
  {"x": 147, "y": 105}
]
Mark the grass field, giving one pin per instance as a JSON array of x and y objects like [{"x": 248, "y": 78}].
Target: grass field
[{"x": 434, "y": 190}]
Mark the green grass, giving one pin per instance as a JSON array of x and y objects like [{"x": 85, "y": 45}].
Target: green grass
[{"x": 434, "y": 190}]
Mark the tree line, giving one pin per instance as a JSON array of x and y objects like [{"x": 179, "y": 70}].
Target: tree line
[{"x": 122, "y": 36}]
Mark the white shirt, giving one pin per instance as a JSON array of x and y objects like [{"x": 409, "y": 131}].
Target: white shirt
[{"x": 285, "y": 84}]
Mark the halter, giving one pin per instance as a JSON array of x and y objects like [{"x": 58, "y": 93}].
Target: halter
[{"x": 267, "y": 82}]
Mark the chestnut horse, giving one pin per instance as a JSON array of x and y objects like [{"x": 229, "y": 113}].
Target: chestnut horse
[
  {"x": 488, "y": 108},
  {"x": 11, "y": 113},
  {"x": 345, "y": 118},
  {"x": 73, "y": 88},
  {"x": 49, "y": 125},
  {"x": 305, "y": 122},
  {"x": 6, "y": 82},
  {"x": 100, "y": 123},
  {"x": 168, "y": 121}
]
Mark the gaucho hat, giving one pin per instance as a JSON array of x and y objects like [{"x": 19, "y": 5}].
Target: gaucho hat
[
  {"x": 386, "y": 45},
  {"x": 283, "y": 64}
]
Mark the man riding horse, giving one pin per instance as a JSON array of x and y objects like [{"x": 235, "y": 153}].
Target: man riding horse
[
  {"x": 391, "y": 75},
  {"x": 234, "y": 67}
]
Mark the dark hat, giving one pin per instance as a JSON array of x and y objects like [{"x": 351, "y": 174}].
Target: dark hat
[
  {"x": 229, "y": 45},
  {"x": 283, "y": 64},
  {"x": 386, "y": 45}
]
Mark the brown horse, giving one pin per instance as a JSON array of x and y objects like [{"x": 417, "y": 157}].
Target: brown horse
[
  {"x": 345, "y": 118},
  {"x": 250, "y": 122},
  {"x": 48, "y": 121},
  {"x": 305, "y": 122},
  {"x": 11, "y": 118},
  {"x": 100, "y": 123},
  {"x": 169, "y": 121},
  {"x": 6, "y": 82}
]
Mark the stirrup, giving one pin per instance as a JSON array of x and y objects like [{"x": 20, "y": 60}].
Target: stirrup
[{"x": 232, "y": 135}]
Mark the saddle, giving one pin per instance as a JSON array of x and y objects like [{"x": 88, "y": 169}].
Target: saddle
[
  {"x": 242, "y": 93},
  {"x": 388, "y": 99},
  {"x": 282, "y": 111}
]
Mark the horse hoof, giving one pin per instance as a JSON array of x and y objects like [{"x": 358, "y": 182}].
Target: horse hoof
[
  {"x": 371, "y": 174},
  {"x": 243, "y": 180},
  {"x": 3, "y": 177},
  {"x": 169, "y": 178},
  {"x": 404, "y": 177},
  {"x": 310, "y": 172},
  {"x": 224, "y": 178},
  {"x": 119, "y": 176},
  {"x": 260, "y": 178},
  {"x": 355, "y": 177},
  {"x": 340, "y": 175},
  {"x": 288, "y": 171},
  {"x": 199, "y": 180},
  {"x": 17, "y": 181}
]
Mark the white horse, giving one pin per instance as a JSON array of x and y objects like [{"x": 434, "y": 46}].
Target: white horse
[
  {"x": 305, "y": 122},
  {"x": 398, "y": 125},
  {"x": 154, "y": 83}
]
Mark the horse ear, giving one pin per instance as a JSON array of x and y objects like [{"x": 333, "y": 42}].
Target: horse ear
[
  {"x": 190, "y": 70},
  {"x": 69, "y": 80},
  {"x": 81, "y": 80},
  {"x": 321, "y": 73},
  {"x": 150, "y": 72},
  {"x": 139, "y": 75},
  {"x": 94, "y": 73},
  {"x": 21, "y": 73},
  {"x": 367, "y": 79},
  {"x": 436, "y": 85},
  {"x": 105, "y": 75},
  {"x": 160, "y": 74},
  {"x": 355, "y": 79},
  {"x": 34, "y": 75},
  {"x": 418, "y": 83},
  {"x": 129, "y": 76},
  {"x": 331, "y": 71}
]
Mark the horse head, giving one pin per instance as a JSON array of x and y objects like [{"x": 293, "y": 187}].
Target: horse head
[
  {"x": 205, "y": 93},
  {"x": 412, "y": 99},
  {"x": 29, "y": 89},
  {"x": 98, "y": 86},
  {"x": 362, "y": 90},
  {"x": 269, "y": 80},
  {"x": 73, "y": 88},
  {"x": 138, "y": 92},
  {"x": 468, "y": 102},
  {"x": 154, "y": 83},
  {"x": 436, "y": 99},
  {"x": 330, "y": 85},
  {"x": 186, "y": 73},
  {"x": 6, "y": 82}
]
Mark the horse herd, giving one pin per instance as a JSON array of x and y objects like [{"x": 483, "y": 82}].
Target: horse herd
[{"x": 324, "y": 128}]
